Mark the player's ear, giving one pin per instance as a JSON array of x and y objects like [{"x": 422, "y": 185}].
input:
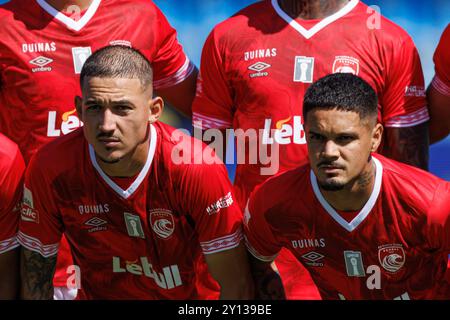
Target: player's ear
[
  {"x": 377, "y": 135},
  {"x": 78, "y": 105},
  {"x": 156, "y": 109}
]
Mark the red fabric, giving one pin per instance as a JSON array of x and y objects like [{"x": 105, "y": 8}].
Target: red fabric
[
  {"x": 179, "y": 209},
  {"x": 11, "y": 174},
  {"x": 405, "y": 234}
]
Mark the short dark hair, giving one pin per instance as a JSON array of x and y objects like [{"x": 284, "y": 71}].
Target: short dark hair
[
  {"x": 118, "y": 62},
  {"x": 344, "y": 92}
]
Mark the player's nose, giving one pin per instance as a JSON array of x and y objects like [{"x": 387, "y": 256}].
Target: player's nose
[
  {"x": 330, "y": 149},
  {"x": 107, "y": 121}
]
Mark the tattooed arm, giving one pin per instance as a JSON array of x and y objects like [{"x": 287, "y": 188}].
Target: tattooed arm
[
  {"x": 268, "y": 285},
  {"x": 408, "y": 145},
  {"x": 36, "y": 275}
]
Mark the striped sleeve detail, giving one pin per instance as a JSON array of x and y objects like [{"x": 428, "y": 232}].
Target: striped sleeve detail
[
  {"x": 179, "y": 76},
  {"x": 409, "y": 120},
  {"x": 256, "y": 254},
  {"x": 440, "y": 86},
  {"x": 8, "y": 244},
  {"x": 36, "y": 245},
  {"x": 222, "y": 244},
  {"x": 203, "y": 122}
]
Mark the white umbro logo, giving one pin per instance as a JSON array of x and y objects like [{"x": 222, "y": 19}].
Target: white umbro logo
[
  {"x": 259, "y": 66},
  {"x": 95, "y": 222},
  {"x": 312, "y": 259},
  {"x": 41, "y": 61}
]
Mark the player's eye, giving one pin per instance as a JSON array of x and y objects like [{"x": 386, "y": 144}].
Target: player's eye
[
  {"x": 345, "y": 139},
  {"x": 316, "y": 137},
  {"x": 123, "y": 108},
  {"x": 93, "y": 107}
]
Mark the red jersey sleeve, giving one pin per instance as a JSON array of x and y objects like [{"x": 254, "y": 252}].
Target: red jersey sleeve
[
  {"x": 40, "y": 227},
  {"x": 213, "y": 103},
  {"x": 170, "y": 64},
  {"x": 441, "y": 81},
  {"x": 12, "y": 167},
  {"x": 212, "y": 206},
  {"x": 403, "y": 101},
  {"x": 439, "y": 219},
  {"x": 259, "y": 238}
]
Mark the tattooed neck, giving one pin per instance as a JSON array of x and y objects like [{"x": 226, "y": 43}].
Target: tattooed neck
[
  {"x": 365, "y": 180},
  {"x": 311, "y": 9}
]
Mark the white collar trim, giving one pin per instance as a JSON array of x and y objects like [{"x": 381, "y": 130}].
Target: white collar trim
[
  {"x": 137, "y": 182},
  {"x": 320, "y": 25},
  {"x": 362, "y": 215},
  {"x": 72, "y": 24}
]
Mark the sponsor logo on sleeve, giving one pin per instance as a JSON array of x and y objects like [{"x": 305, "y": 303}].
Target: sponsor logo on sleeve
[
  {"x": 28, "y": 213},
  {"x": 222, "y": 203},
  {"x": 414, "y": 91}
]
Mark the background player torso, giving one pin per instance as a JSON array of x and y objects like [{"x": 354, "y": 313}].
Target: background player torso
[
  {"x": 41, "y": 58},
  {"x": 262, "y": 57}
]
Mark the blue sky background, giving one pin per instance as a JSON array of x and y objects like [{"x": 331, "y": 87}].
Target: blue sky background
[{"x": 423, "y": 20}]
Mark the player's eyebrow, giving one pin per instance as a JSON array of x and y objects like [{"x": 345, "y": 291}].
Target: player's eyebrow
[{"x": 115, "y": 102}]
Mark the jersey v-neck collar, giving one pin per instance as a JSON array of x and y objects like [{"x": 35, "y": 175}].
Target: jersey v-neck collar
[
  {"x": 362, "y": 215},
  {"x": 69, "y": 22},
  {"x": 141, "y": 176},
  {"x": 308, "y": 33}
]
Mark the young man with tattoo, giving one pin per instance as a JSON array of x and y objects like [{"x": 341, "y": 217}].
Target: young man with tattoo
[
  {"x": 365, "y": 226},
  {"x": 12, "y": 167},
  {"x": 140, "y": 223},
  {"x": 43, "y": 45},
  {"x": 257, "y": 65}
]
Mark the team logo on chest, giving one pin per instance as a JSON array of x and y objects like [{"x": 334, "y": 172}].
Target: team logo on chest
[
  {"x": 162, "y": 222},
  {"x": 392, "y": 257},
  {"x": 346, "y": 64},
  {"x": 303, "y": 69},
  {"x": 80, "y": 55}
]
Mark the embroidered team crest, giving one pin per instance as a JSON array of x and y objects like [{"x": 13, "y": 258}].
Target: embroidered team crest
[
  {"x": 392, "y": 257},
  {"x": 346, "y": 64},
  {"x": 162, "y": 222}
]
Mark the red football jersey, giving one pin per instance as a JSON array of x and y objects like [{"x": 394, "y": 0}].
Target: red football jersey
[
  {"x": 12, "y": 167},
  {"x": 42, "y": 52},
  {"x": 396, "y": 246},
  {"x": 441, "y": 80},
  {"x": 257, "y": 65},
  {"x": 142, "y": 242}
]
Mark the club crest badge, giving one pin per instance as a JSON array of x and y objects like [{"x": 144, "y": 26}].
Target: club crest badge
[
  {"x": 346, "y": 64},
  {"x": 391, "y": 257},
  {"x": 162, "y": 222}
]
